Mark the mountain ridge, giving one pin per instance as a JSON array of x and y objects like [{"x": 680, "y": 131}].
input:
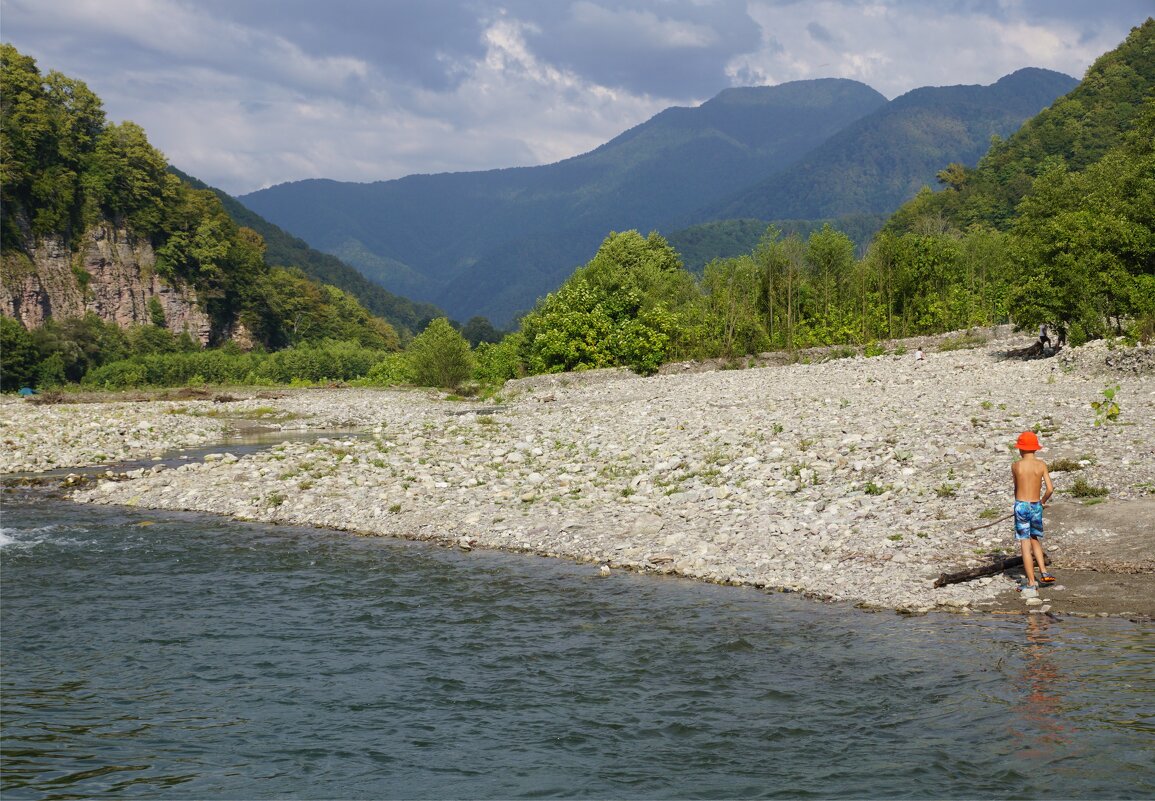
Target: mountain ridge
[{"x": 492, "y": 242}]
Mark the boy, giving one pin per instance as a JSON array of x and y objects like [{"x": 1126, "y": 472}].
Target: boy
[{"x": 1031, "y": 475}]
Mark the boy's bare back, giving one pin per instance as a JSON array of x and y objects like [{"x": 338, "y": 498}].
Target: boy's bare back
[{"x": 1030, "y": 474}]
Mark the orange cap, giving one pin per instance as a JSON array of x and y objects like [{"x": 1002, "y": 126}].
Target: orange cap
[{"x": 1027, "y": 441}]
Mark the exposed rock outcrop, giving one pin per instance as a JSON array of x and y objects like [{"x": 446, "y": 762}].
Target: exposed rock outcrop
[{"x": 112, "y": 274}]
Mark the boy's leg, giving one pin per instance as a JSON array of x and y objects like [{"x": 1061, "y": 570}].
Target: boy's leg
[
  {"x": 1028, "y": 559},
  {"x": 1040, "y": 557}
]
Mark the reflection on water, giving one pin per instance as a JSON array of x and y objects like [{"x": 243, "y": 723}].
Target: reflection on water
[
  {"x": 1042, "y": 684},
  {"x": 148, "y": 654}
]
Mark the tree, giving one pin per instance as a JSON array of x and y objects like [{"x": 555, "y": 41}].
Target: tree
[
  {"x": 633, "y": 304},
  {"x": 440, "y": 356},
  {"x": 782, "y": 262},
  {"x": 81, "y": 343},
  {"x": 1086, "y": 242},
  {"x": 127, "y": 179},
  {"x": 478, "y": 330},
  {"x": 18, "y": 355},
  {"x": 48, "y": 128},
  {"x": 732, "y": 288},
  {"x": 830, "y": 256}
]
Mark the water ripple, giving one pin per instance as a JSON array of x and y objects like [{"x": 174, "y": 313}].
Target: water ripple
[{"x": 192, "y": 658}]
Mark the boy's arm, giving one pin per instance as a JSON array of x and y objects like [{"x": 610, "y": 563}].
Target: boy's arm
[{"x": 1050, "y": 486}]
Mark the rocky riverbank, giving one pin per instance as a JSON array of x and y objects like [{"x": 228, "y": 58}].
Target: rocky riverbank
[{"x": 853, "y": 480}]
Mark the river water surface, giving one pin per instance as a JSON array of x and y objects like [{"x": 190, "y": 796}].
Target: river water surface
[{"x": 182, "y": 656}]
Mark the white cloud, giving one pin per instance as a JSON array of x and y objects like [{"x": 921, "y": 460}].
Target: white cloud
[
  {"x": 246, "y": 93},
  {"x": 896, "y": 46},
  {"x": 642, "y": 27}
]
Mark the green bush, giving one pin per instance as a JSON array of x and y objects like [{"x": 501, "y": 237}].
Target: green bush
[
  {"x": 394, "y": 369},
  {"x": 18, "y": 356},
  {"x": 440, "y": 356},
  {"x": 328, "y": 361},
  {"x": 498, "y": 363}
]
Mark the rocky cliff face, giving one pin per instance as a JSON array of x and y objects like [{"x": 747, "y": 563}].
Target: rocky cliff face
[{"x": 112, "y": 274}]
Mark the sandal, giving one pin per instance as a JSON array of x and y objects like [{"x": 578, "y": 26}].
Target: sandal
[{"x": 1047, "y": 578}]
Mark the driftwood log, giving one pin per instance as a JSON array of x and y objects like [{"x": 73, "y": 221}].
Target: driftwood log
[
  {"x": 997, "y": 566},
  {"x": 1034, "y": 351}
]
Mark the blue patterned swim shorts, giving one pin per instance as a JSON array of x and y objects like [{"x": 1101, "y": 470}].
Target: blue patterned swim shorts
[{"x": 1028, "y": 519}]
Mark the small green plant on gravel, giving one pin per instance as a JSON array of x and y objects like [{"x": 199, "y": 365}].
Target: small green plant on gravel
[
  {"x": 964, "y": 341},
  {"x": 394, "y": 508},
  {"x": 275, "y": 499},
  {"x": 776, "y": 428},
  {"x": 990, "y": 513},
  {"x": 873, "y": 489},
  {"x": 874, "y": 349},
  {"x": 895, "y": 538},
  {"x": 1064, "y": 466},
  {"x": 1083, "y": 489},
  {"x": 945, "y": 490},
  {"x": 1106, "y": 410},
  {"x": 716, "y": 456}
]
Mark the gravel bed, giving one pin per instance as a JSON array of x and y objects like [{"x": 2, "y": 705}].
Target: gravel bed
[{"x": 850, "y": 480}]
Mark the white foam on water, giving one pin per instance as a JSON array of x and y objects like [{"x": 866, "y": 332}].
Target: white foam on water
[{"x": 24, "y": 538}]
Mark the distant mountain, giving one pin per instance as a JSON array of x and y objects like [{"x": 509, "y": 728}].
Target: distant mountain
[
  {"x": 877, "y": 163},
  {"x": 492, "y": 242},
  {"x": 284, "y": 250}
]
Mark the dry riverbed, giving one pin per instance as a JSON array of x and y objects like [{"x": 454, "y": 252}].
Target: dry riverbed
[{"x": 849, "y": 480}]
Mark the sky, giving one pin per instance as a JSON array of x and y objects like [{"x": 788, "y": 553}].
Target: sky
[{"x": 245, "y": 94}]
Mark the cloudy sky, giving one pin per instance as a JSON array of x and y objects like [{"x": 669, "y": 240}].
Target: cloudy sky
[{"x": 248, "y": 93}]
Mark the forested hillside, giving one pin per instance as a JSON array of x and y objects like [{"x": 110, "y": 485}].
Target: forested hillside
[
  {"x": 106, "y": 253},
  {"x": 1078, "y": 130},
  {"x": 284, "y": 250},
  {"x": 1075, "y": 191}
]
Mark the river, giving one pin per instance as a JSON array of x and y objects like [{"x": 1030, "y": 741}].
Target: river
[{"x": 180, "y": 656}]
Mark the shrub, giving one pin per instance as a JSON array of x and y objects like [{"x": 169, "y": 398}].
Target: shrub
[
  {"x": 964, "y": 341},
  {"x": 1082, "y": 489},
  {"x": 18, "y": 354},
  {"x": 394, "y": 369},
  {"x": 498, "y": 363},
  {"x": 440, "y": 356}
]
